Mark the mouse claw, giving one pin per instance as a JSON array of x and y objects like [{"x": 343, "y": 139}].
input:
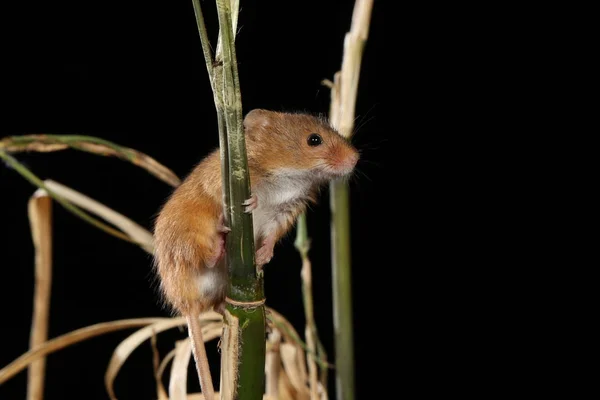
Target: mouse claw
[
  {"x": 250, "y": 204},
  {"x": 264, "y": 254},
  {"x": 221, "y": 228},
  {"x": 220, "y": 308}
]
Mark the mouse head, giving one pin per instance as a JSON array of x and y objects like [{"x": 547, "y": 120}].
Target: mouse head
[{"x": 296, "y": 143}]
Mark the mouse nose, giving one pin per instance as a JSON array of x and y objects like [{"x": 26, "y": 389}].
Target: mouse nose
[
  {"x": 354, "y": 159},
  {"x": 350, "y": 161}
]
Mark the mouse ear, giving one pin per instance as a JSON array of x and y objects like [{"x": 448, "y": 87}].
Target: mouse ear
[{"x": 258, "y": 118}]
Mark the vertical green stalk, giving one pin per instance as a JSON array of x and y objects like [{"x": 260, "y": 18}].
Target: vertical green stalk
[
  {"x": 342, "y": 290},
  {"x": 244, "y": 285},
  {"x": 314, "y": 345},
  {"x": 243, "y": 351},
  {"x": 243, "y": 341}
]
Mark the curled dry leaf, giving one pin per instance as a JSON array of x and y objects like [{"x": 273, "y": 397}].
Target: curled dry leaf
[
  {"x": 127, "y": 346},
  {"x": 297, "y": 375},
  {"x": 285, "y": 388},
  {"x": 182, "y": 354},
  {"x": 163, "y": 364},
  {"x": 90, "y": 144},
  {"x": 211, "y": 321},
  {"x": 68, "y": 339},
  {"x": 136, "y": 232},
  {"x": 200, "y": 396},
  {"x": 290, "y": 376},
  {"x": 290, "y": 334}
]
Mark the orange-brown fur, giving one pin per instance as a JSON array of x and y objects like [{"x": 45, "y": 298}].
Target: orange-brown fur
[{"x": 285, "y": 173}]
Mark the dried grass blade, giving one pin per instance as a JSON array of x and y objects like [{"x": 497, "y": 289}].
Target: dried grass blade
[
  {"x": 68, "y": 339},
  {"x": 127, "y": 346},
  {"x": 285, "y": 388},
  {"x": 200, "y": 396},
  {"x": 323, "y": 392},
  {"x": 160, "y": 389},
  {"x": 136, "y": 232},
  {"x": 291, "y": 364},
  {"x": 273, "y": 363},
  {"x": 290, "y": 334},
  {"x": 40, "y": 220},
  {"x": 213, "y": 332},
  {"x": 90, "y": 144},
  {"x": 33, "y": 179},
  {"x": 164, "y": 362},
  {"x": 179, "y": 370}
]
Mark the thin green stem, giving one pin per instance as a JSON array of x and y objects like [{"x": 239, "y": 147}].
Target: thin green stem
[
  {"x": 316, "y": 349},
  {"x": 215, "y": 76},
  {"x": 206, "y": 49},
  {"x": 33, "y": 179}
]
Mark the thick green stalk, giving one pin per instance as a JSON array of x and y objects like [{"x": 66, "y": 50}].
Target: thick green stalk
[
  {"x": 244, "y": 285},
  {"x": 243, "y": 350},
  {"x": 342, "y": 290}
]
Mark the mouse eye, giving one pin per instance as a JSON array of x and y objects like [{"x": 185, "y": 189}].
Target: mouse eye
[{"x": 314, "y": 140}]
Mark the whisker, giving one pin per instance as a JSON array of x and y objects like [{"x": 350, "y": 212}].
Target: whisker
[
  {"x": 359, "y": 172},
  {"x": 358, "y": 128},
  {"x": 371, "y": 162}
]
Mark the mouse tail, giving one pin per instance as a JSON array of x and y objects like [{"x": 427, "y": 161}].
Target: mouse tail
[{"x": 199, "y": 351}]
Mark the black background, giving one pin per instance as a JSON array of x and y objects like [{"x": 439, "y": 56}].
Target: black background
[{"x": 132, "y": 72}]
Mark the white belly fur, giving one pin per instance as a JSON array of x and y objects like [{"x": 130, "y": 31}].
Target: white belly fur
[{"x": 272, "y": 196}]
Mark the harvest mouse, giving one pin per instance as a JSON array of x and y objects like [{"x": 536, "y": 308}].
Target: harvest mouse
[{"x": 290, "y": 156}]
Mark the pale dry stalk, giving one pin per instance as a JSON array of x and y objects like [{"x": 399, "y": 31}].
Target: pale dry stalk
[
  {"x": 68, "y": 339},
  {"x": 40, "y": 220},
  {"x": 343, "y": 103}
]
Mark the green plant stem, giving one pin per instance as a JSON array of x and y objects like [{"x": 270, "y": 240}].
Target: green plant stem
[
  {"x": 244, "y": 283},
  {"x": 215, "y": 75},
  {"x": 33, "y": 179},
  {"x": 243, "y": 350},
  {"x": 315, "y": 348},
  {"x": 342, "y": 290},
  {"x": 208, "y": 57},
  {"x": 343, "y": 101},
  {"x": 244, "y": 332}
]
